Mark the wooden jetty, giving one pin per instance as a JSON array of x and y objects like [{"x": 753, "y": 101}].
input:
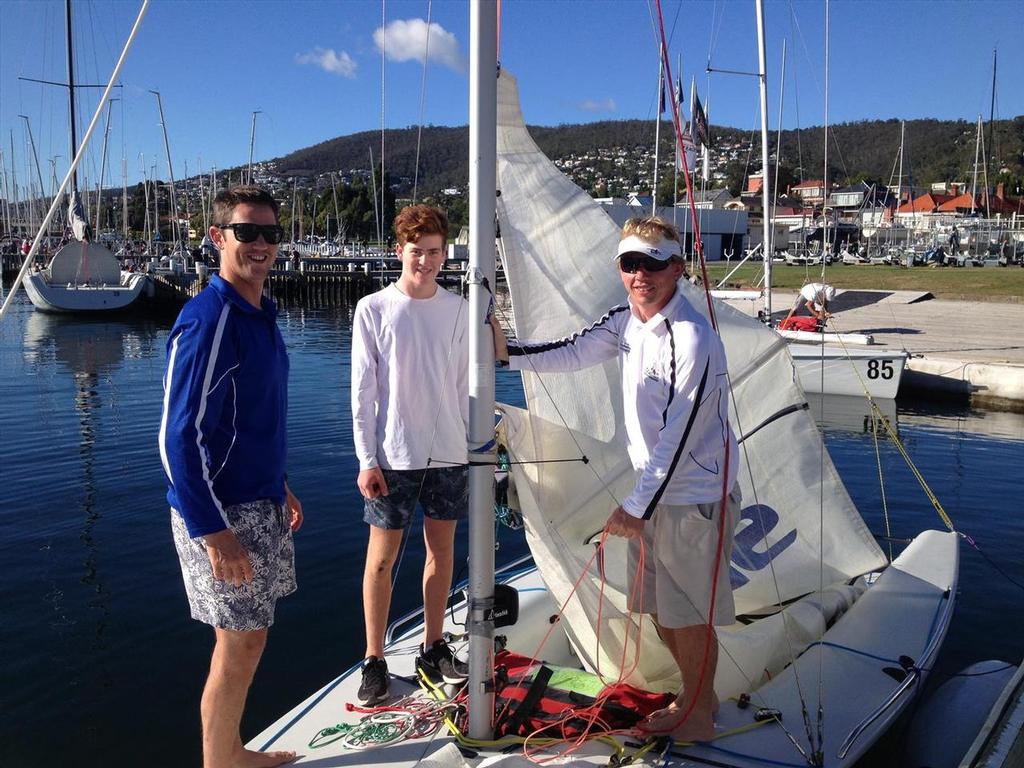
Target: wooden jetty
[{"x": 319, "y": 281}]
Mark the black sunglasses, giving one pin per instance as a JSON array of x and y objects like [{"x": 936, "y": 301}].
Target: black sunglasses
[
  {"x": 630, "y": 264},
  {"x": 247, "y": 233}
]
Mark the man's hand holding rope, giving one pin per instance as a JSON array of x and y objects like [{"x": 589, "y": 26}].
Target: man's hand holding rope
[{"x": 623, "y": 524}]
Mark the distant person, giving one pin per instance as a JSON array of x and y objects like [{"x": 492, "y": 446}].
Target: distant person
[
  {"x": 223, "y": 446},
  {"x": 954, "y": 242},
  {"x": 410, "y": 416},
  {"x": 815, "y": 297}
]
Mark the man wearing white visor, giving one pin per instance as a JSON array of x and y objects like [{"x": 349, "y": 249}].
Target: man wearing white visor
[{"x": 675, "y": 402}]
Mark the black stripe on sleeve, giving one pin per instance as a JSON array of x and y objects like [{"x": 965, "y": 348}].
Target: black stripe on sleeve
[
  {"x": 515, "y": 349},
  {"x": 672, "y": 374},
  {"x": 682, "y": 443}
]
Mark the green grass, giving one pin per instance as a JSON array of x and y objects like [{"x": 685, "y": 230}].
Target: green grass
[{"x": 987, "y": 283}]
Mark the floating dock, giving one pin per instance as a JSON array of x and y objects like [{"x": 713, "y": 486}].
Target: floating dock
[
  {"x": 971, "y": 349},
  {"x": 966, "y": 348}
]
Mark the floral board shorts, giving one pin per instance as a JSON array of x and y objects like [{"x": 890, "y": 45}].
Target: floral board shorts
[
  {"x": 443, "y": 492},
  {"x": 262, "y": 528}
]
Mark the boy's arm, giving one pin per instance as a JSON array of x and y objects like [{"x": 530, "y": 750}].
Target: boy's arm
[
  {"x": 370, "y": 480},
  {"x": 592, "y": 345}
]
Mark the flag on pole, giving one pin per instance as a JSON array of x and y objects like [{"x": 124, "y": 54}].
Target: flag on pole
[
  {"x": 661, "y": 98},
  {"x": 700, "y": 120}
]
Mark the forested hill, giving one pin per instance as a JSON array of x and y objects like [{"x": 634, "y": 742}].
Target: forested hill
[{"x": 935, "y": 150}]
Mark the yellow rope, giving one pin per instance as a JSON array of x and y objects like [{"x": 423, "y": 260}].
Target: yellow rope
[
  {"x": 881, "y": 480},
  {"x": 899, "y": 446}
]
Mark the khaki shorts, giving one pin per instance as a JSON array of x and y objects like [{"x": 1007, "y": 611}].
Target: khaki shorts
[{"x": 680, "y": 544}]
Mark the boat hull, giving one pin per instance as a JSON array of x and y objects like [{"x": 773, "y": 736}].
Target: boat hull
[
  {"x": 71, "y": 298},
  {"x": 844, "y": 371}
]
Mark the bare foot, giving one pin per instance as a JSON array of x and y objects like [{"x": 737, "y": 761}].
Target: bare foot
[
  {"x": 697, "y": 726},
  {"x": 715, "y": 704},
  {"x": 249, "y": 759}
]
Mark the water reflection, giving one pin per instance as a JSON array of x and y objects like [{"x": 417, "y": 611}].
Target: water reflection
[
  {"x": 843, "y": 413},
  {"x": 91, "y": 351}
]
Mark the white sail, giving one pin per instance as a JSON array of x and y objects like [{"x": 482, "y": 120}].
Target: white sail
[
  {"x": 799, "y": 528},
  {"x": 77, "y": 220}
]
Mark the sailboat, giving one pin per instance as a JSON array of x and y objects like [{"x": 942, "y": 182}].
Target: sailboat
[
  {"x": 827, "y": 362},
  {"x": 83, "y": 275},
  {"x": 833, "y": 641}
]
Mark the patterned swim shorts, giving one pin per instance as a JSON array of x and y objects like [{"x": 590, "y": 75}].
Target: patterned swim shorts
[
  {"x": 443, "y": 492},
  {"x": 262, "y": 528}
]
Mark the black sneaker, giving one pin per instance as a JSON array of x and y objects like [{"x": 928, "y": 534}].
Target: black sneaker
[
  {"x": 374, "y": 688},
  {"x": 439, "y": 664}
]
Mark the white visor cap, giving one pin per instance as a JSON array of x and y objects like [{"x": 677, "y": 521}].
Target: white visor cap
[
  {"x": 663, "y": 250},
  {"x": 830, "y": 293}
]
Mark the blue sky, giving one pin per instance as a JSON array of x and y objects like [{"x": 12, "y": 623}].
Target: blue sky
[{"x": 314, "y": 67}]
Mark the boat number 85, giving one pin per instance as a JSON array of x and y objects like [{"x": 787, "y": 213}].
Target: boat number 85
[{"x": 881, "y": 368}]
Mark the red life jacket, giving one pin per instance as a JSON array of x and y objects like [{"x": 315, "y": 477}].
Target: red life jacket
[{"x": 525, "y": 703}]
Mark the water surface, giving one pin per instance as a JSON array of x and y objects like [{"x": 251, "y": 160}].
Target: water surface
[{"x": 103, "y": 664}]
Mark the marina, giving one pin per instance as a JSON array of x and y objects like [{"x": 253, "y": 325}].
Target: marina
[
  {"x": 96, "y": 609},
  {"x": 822, "y": 509}
]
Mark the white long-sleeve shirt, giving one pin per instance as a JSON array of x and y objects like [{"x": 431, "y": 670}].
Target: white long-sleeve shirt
[
  {"x": 674, "y": 394},
  {"x": 410, "y": 380}
]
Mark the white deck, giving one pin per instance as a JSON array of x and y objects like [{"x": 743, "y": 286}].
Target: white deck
[{"x": 906, "y": 612}]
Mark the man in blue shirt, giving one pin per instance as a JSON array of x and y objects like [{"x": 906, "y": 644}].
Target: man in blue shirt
[{"x": 223, "y": 447}]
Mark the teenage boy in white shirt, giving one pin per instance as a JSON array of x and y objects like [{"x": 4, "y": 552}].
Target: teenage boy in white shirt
[{"x": 410, "y": 412}]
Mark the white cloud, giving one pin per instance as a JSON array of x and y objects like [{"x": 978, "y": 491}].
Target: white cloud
[
  {"x": 329, "y": 60},
  {"x": 597, "y": 105},
  {"x": 413, "y": 40}
]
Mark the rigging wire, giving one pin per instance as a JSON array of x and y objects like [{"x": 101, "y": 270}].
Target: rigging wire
[
  {"x": 819, "y": 747},
  {"x": 423, "y": 93},
  {"x": 383, "y": 60}
]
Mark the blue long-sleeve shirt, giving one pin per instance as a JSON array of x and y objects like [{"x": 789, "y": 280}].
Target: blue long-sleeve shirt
[{"x": 223, "y": 435}]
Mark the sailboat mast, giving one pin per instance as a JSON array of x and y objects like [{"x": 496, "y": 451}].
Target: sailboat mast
[
  {"x": 992, "y": 107},
  {"x": 899, "y": 181},
  {"x": 71, "y": 94},
  {"x": 483, "y": 117},
  {"x": 103, "y": 167},
  {"x": 337, "y": 211},
  {"x": 175, "y": 234},
  {"x": 295, "y": 194},
  {"x": 252, "y": 143},
  {"x": 977, "y": 150},
  {"x": 657, "y": 130},
  {"x": 124, "y": 196},
  {"x": 35, "y": 157},
  {"x": 762, "y": 75}
]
